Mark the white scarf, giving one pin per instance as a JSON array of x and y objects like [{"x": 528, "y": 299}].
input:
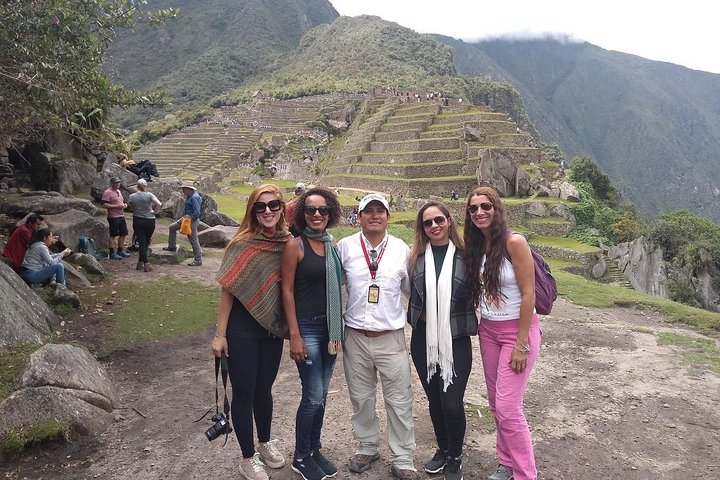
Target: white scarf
[{"x": 437, "y": 316}]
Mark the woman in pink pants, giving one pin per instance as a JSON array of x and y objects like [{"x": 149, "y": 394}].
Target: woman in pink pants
[{"x": 509, "y": 329}]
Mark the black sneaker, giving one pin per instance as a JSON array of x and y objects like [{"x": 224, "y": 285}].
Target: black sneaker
[
  {"x": 308, "y": 469},
  {"x": 437, "y": 462},
  {"x": 453, "y": 468},
  {"x": 325, "y": 465}
]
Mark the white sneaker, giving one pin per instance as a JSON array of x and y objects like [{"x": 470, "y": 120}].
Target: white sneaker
[
  {"x": 270, "y": 455},
  {"x": 252, "y": 469}
]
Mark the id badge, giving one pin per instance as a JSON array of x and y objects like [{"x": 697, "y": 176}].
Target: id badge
[{"x": 373, "y": 294}]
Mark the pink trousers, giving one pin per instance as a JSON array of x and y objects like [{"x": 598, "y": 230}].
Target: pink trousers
[{"x": 506, "y": 391}]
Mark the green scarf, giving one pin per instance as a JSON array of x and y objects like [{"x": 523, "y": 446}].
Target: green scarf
[
  {"x": 333, "y": 279},
  {"x": 250, "y": 270}
]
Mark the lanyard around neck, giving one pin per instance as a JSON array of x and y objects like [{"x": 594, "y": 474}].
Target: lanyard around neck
[{"x": 373, "y": 273}]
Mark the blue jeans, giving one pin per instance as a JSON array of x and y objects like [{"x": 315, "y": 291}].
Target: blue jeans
[
  {"x": 315, "y": 373},
  {"x": 56, "y": 272}
]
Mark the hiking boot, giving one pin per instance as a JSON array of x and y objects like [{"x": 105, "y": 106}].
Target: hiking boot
[
  {"x": 170, "y": 249},
  {"x": 307, "y": 468},
  {"x": 115, "y": 256},
  {"x": 252, "y": 469},
  {"x": 195, "y": 263},
  {"x": 404, "y": 473},
  {"x": 123, "y": 254},
  {"x": 139, "y": 265},
  {"x": 325, "y": 465},
  {"x": 437, "y": 462},
  {"x": 361, "y": 462},
  {"x": 502, "y": 472},
  {"x": 270, "y": 455},
  {"x": 453, "y": 469},
  {"x": 147, "y": 267}
]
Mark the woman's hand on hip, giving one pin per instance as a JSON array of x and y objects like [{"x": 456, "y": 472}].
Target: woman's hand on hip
[{"x": 220, "y": 346}]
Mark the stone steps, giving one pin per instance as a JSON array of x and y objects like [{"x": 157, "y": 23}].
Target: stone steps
[
  {"x": 487, "y": 127},
  {"x": 469, "y": 116},
  {"x": 397, "y": 136},
  {"x": 400, "y": 170},
  {"x": 556, "y": 228},
  {"x": 416, "y": 145},
  {"x": 413, "y": 156},
  {"x": 411, "y": 125},
  {"x": 416, "y": 187}
]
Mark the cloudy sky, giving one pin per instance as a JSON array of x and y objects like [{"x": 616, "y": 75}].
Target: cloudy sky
[{"x": 685, "y": 33}]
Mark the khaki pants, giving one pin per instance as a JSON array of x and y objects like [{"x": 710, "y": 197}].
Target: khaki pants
[{"x": 387, "y": 355}]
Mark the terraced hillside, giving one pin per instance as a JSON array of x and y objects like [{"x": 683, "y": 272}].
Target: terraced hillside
[
  {"x": 200, "y": 150},
  {"x": 419, "y": 149}
]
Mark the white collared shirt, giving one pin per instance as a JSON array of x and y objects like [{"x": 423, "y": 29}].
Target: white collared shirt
[{"x": 391, "y": 277}]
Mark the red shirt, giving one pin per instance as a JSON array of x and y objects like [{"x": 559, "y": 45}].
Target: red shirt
[{"x": 18, "y": 245}]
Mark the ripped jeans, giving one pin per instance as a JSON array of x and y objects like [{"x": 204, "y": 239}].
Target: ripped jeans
[{"x": 315, "y": 373}]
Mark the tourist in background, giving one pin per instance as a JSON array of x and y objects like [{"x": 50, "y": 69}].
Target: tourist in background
[
  {"x": 113, "y": 202},
  {"x": 291, "y": 204},
  {"x": 509, "y": 329},
  {"x": 251, "y": 324},
  {"x": 19, "y": 240},
  {"x": 311, "y": 281},
  {"x": 193, "y": 202},
  {"x": 375, "y": 271},
  {"x": 443, "y": 318},
  {"x": 40, "y": 264},
  {"x": 144, "y": 206}
]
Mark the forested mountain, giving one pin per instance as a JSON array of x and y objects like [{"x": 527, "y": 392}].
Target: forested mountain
[
  {"x": 212, "y": 46},
  {"x": 653, "y": 127}
]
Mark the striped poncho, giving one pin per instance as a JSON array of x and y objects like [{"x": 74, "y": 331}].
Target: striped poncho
[{"x": 250, "y": 270}]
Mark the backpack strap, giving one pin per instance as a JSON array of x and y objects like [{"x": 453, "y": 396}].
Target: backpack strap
[{"x": 506, "y": 252}]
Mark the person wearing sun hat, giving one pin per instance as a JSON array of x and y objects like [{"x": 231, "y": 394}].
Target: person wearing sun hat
[
  {"x": 113, "y": 202},
  {"x": 193, "y": 202}
]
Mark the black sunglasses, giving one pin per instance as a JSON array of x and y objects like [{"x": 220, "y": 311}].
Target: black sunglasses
[
  {"x": 485, "y": 206},
  {"x": 310, "y": 210},
  {"x": 273, "y": 205},
  {"x": 439, "y": 220},
  {"x": 373, "y": 265}
]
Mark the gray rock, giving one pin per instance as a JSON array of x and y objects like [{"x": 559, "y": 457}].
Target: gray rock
[
  {"x": 74, "y": 278},
  {"x": 561, "y": 210},
  {"x": 24, "y": 317},
  {"x": 62, "y": 143},
  {"x": 498, "y": 171},
  {"x": 174, "y": 203},
  {"x": 599, "y": 269},
  {"x": 45, "y": 204},
  {"x": 543, "y": 191},
  {"x": 643, "y": 265},
  {"x": 569, "y": 192},
  {"x": 69, "y": 174},
  {"x": 67, "y": 366},
  {"x": 537, "y": 209},
  {"x": 216, "y": 218},
  {"x": 158, "y": 255},
  {"x": 522, "y": 183},
  {"x": 162, "y": 188},
  {"x": 73, "y": 224},
  {"x": 61, "y": 295},
  {"x": 102, "y": 181},
  {"x": 87, "y": 263},
  {"x": 218, "y": 236}
]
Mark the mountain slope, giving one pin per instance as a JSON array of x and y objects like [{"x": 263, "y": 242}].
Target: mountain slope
[{"x": 653, "y": 127}]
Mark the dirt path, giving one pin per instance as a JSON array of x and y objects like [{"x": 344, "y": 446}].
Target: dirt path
[{"x": 605, "y": 401}]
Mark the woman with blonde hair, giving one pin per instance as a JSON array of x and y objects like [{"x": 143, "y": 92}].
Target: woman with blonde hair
[
  {"x": 251, "y": 325},
  {"x": 443, "y": 318},
  {"x": 501, "y": 278}
]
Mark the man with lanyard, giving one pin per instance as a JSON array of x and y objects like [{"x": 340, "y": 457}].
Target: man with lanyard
[{"x": 375, "y": 273}]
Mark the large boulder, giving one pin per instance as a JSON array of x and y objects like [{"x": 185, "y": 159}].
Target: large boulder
[
  {"x": 569, "y": 192},
  {"x": 65, "y": 383},
  {"x": 173, "y": 204},
  {"x": 69, "y": 174},
  {"x": 643, "y": 265},
  {"x": 522, "y": 183},
  {"x": 87, "y": 263},
  {"x": 74, "y": 278},
  {"x": 163, "y": 188},
  {"x": 216, "y": 218},
  {"x": 218, "y": 236},
  {"x": 102, "y": 181},
  {"x": 73, "y": 224},
  {"x": 498, "y": 171},
  {"x": 24, "y": 317},
  {"x": 44, "y": 203},
  {"x": 61, "y": 295}
]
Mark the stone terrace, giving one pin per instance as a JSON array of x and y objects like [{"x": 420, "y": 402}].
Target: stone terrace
[{"x": 418, "y": 149}]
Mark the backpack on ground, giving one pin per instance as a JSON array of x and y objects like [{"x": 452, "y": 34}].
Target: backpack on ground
[
  {"x": 545, "y": 285},
  {"x": 87, "y": 245}
]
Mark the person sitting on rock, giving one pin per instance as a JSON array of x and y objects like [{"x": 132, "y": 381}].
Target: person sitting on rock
[
  {"x": 19, "y": 241},
  {"x": 143, "y": 169},
  {"x": 40, "y": 264}
]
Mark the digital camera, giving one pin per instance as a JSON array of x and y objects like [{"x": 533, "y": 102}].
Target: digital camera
[{"x": 221, "y": 426}]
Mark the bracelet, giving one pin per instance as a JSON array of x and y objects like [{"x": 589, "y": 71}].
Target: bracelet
[
  {"x": 524, "y": 349},
  {"x": 219, "y": 335}
]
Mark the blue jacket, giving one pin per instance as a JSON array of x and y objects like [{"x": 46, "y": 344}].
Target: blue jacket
[{"x": 192, "y": 206}]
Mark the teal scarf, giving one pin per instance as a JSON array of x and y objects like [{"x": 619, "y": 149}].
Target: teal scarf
[{"x": 333, "y": 278}]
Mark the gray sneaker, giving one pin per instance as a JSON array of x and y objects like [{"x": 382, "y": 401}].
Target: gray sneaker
[
  {"x": 453, "y": 469},
  {"x": 437, "y": 462},
  {"x": 502, "y": 472}
]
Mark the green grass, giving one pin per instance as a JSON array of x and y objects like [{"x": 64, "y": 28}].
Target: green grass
[
  {"x": 162, "y": 309},
  {"x": 641, "y": 330},
  {"x": 12, "y": 359},
  {"x": 41, "y": 430},
  {"x": 562, "y": 242},
  {"x": 529, "y": 200},
  {"x": 231, "y": 206},
  {"x": 696, "y": 351},
  {"x": 551, "y": 220},
  {"x": 593, "y": 294}
]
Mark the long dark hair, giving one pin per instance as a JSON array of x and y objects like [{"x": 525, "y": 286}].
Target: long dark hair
[
  {"x": 421, "y": 239},
  {"x": 39, "y": 235},
  {"x": 476, "y": 245},
  {"x": 331, "y": 200}
]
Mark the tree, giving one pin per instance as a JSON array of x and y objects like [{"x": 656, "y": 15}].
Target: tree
[
  {"x": 51, "y": 53},
  {"x": 583, "y": 169}
]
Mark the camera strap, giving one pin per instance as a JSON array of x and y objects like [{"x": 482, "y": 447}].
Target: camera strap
[{"x": 221, "y": 365}]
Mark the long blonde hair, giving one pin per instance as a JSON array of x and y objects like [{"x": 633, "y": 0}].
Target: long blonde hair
[
  {"x": 421, "y": 239},
  {"x": 250, "y": 226}
]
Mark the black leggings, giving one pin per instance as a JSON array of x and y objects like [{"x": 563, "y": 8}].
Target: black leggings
[
  {"x": 253, "y": 365},
  {"x": 144, "y": 229},
  {"x": 447, "y": 410}
]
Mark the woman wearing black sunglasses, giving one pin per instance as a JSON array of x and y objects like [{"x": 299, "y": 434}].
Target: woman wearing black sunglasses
[
  {"x": 501, "y": 277},
  {"x": 311, "y": 275},
  {"x": 251, "y": 324},
  {"x": 443, "y": 319}
]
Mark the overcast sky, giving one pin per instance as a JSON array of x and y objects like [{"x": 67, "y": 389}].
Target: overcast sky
[{"x": 681, "y": 32}]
